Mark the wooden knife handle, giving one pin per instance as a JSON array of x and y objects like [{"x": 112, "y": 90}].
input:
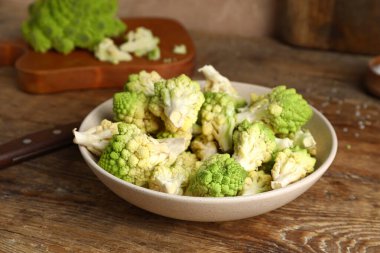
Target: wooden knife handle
[{"x": 36, "y": 144}]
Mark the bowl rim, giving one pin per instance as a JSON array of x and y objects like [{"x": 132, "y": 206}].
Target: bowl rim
[{"x": 272, "y": 193}]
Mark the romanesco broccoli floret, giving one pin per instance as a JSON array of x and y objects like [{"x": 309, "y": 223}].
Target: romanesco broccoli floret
[
  {"x": 256, "y": 182},
  {"x": 203, "y": 148},
  {"x": 143, "y": 82},
  {"x": 215, "y": 82},
  {"x": 254, "y": 143},
  {"x": 219, "y": 176},
  {"x": 179, "y": 134},
  {"x": 132, "y": 155},
  {"x": 142, "y": 42},
  {"x": 177, "y": 102},
  {"x": 132, "y": 107},
  {"x": 304, "y": 140},
  {"x": 173, "y": 179},
  {"x": 217, "y": 117},
  {"x": 107, "y": 51},
  {"x": 283, "y": 143},
  {"x": 197, "y": 129},
  {"x": 96, "y": 138},
  {"x": 283, "y": 109},
  {"x": 291, "y": 166},
  {"x": 66, "y": 24}
]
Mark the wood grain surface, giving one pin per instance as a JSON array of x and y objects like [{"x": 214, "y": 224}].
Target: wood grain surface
[
  {"x": 347, "y": 26},
  {"x": 54, "y": 203},
  {"x": 52, "y": 72}
]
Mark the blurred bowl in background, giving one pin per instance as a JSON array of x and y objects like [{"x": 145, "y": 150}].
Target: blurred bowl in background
[{"x": 373, "y": 76}]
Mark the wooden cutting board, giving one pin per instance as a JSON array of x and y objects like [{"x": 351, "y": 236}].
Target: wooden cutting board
[{"x": 53, "y": 72}]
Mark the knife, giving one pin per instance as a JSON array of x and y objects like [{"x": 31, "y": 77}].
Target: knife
[{"x": 37, "y": 143}]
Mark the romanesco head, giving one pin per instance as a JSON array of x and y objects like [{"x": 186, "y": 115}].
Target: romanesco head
[
  {"x": 66, "y": 24},
  {"x": 217, "y": 117},
  {"x": 219, "y": 176},
  {"x": 132, "y": 107},
  {"x": 143, "y": 82},
  {"x": 256, "y": 182},
  {"x": 288, "y": 110},
  {"x": 254, "y": 143},
  {"x": 132, "y": 155},
  {"x": 36, "y": 38},
  {"x": 177, "y": 102},
  {"x": 283, "y": 109},
  {"x": 290, "y": 166},
  {"x": 126, "y": 156}
]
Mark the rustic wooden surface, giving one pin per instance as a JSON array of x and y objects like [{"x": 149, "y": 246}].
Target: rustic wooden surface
[
  {"x": 54, "y": 203},
  {"x": 347, "y": 26}
]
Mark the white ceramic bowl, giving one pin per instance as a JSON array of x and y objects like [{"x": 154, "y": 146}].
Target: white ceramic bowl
[{"x": 207, "y": 208}]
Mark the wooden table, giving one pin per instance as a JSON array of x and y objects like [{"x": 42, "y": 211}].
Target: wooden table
[{"x": 54, "y": 203}]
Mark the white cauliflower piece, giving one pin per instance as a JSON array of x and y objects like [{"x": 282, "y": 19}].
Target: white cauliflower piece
[
  {"x": 96, "y": 138},
  {"x": 291, "y": 166},
  {"x": 173, "y": 179},
  {"x": 141, "y": 42},
  {"x": 107, "y": 51},
  {"x": 180, "y": 49}
]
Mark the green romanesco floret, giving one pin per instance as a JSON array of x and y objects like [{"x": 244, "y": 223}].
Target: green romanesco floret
[
  {"x": 132, "y": 107},
  {"x": 177, "y": 102},
  {"x": 256, "y": 182},
  {"x": 143, "y": 82},
  {"x": 291, "y": 166},
  {"x": 64, "y": 25},
  {"x": 203, "y": 148},
  {"x": 132, "y": 155},
  {"x": 96, "y": 138},
  {"x": 173, "y": 179},
  {"x": 217, "y": 117},
  {"x": 215, "y": 82},
  {"x": 283, "y": 109},
  {"x": 142, "y": 42},
  {"x": 219, "y": 176},
  {"x": 254, "y": 144}
]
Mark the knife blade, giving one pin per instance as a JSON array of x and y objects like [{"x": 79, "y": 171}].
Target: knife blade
[{"x": 36, "y": 144}]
